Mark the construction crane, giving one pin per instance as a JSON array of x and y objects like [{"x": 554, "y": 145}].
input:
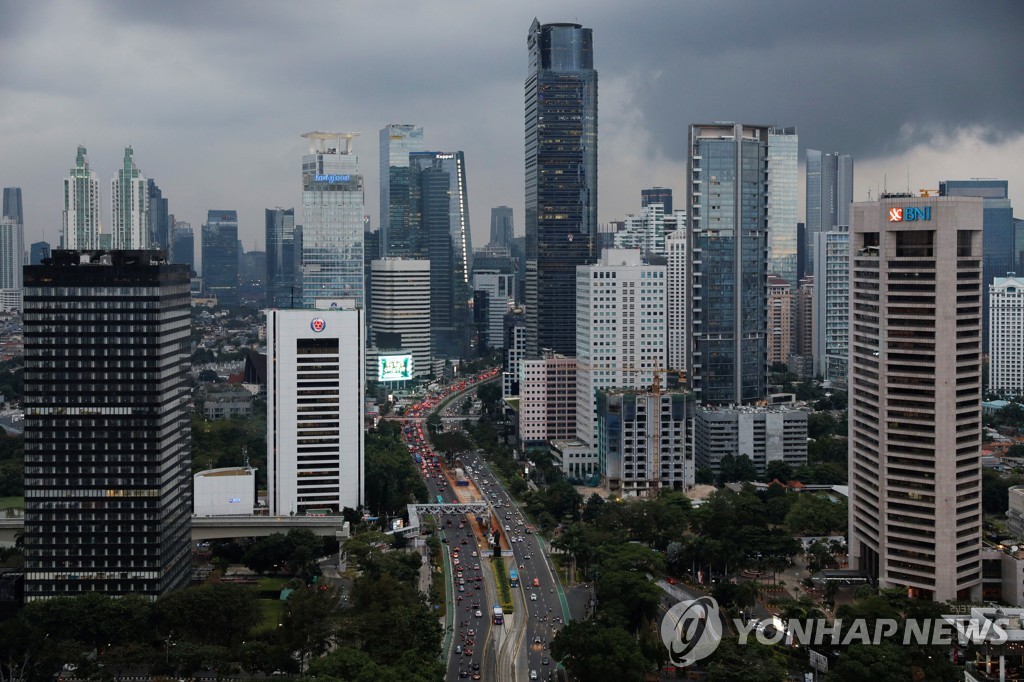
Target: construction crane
[
  {"x": 928, "y": 192},
  {"x": 654, "y": 477}
]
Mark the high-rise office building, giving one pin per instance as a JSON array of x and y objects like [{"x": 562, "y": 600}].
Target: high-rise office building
[
  {"x": 765, "y": 434},
  {"x": 1006, "y": 342},
  {"x": 37, "y": 252},
  {"x": 829, "y": 191},
  {"x": 315, "y": 443},
  {"x": 547, "y": 404},
  {"x": 502, "y": 229},
  {"x": 439, "y": 227},
  {"x": 783, "y": 160},
  {"x": 371, "y": 252},
  {"x": 646, "y": 231},
  {"x": 401, "y": 309},
  {"x": 12, "y": 206},
  {"x": 728, "y": 217},
  {"x": 515, "y": 350},
  {"x": 499, "y": 290},
  {"x": 657, "y": 195},
  {"x": 621, "y": 338},
  {"x": 397, "y": 141},
  {"x": 332, "y": 215},
  {"x": 780, "y": 320},
  {"x": 12, "y": 260},
  {"x": 678, "y": 294},
  {"x": 998, "y": 234},
  {"x": 129, "y": 204},
  {"x": 183, "y": 245},
  {"x": 220, "y": 256},
  {"x": 282, "y": 283},
  {"x": 159, "y": 218},
  {"x": 801, "y": 362},
  {"x": 108, "y": 493},
  {"x": 832, "y": 305},
  {"x": 915, "y": 394},
  {"x": 561, "y": 179},
  {"x": 82, "y": 225}
]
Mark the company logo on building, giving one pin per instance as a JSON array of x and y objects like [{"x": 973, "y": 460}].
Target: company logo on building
[
  {"x": 691, "y": 630},
  {"x": 318, "y": 325},
  {"x": 909, "y": 214},
  {"x": 333, "y": 178},
  {"x": 444, "y": 156}
]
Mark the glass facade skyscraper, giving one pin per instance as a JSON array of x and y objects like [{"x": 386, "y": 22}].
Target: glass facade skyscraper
[
  {"x": 502, "y": 229},
  {"x": 998, "y": 234},
  {"x": 12, "y": 207},
  {"x": 159, "y": 218},
  {"x": 829, "y": 191},
  {"x": 220, "y": 256},
  {"x": 561, "y": 179},
  {"x": 783, "y": 159},
  {"x": 397, "y": 141},
  {"x": 332, "y": 220},
  {"x": 657, "y": 195},
  {"x": 281, "y": 258},
  {"x": 108, "y": 480},
  {"x": 183, "y": 245},
  {"x": 727, "y": 203}
]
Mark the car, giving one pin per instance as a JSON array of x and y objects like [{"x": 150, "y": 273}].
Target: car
[
  {"x": 464, "y": 541},
  {"x": 455, "y": 561},
  {"x": 468, "y": 652},
  {"x": 545, "y": 661},
  {"x": 462, "y": 588},
  {"x": 538, "y": 640},
  {"x": 474, "y": 554},
  {"x": 533, "y": 674},
  {"x": 463, "y": 674},
  {"x": 458, "y": 649},
  {"x": 479, "y": 613},
  {"x": 471, "y": 632},
  {"x": 476, "y": 675},
  {"x": 533, "y": 596},
  {"x": 671, "y": 581}
]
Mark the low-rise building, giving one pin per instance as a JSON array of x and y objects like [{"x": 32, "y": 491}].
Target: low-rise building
[
  {"x": 763, "y": 433},
  {"x": 227, "y": 401},
  {"x": 224, "y": 492}
]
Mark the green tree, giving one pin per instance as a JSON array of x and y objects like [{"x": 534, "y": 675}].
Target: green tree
[
  {"x": 752, "y": 662},
  {"x": 778, "y": 470},
  {"x": 816, "y": 514},
  {"x": 308, "y": 621},
  {"x": 594, "y": 652}
]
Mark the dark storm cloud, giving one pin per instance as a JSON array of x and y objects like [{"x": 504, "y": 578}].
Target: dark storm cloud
[{"x": 870, "y": 77}]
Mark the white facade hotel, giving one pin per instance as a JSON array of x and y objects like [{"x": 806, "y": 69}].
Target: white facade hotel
[
  {"x": 315, "y": 444},
  {"x": 678, "y": 293},
  {"x": 620, "y": 332},
  {"x": 1006, "y": 340},
  {"x": 81, "y": 229},
  {"x": 12, "y": 260},
  {"x": 915, "y": 394}
]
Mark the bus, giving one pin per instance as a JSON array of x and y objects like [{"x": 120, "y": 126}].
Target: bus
[
  {"x": 513, "y": 578},
  {"x": 440, "y": 500},
  {"x": 498, "y": 615}
]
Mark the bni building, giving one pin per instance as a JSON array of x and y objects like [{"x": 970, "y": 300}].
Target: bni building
[
  {"x": 108, "y": 493},
  {"x": 315, "y": 361},
  {"x": 915, "y": 394}
]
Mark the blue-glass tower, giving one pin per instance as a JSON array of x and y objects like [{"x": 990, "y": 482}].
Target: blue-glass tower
[
  {"x": 220, "y": 256},
  {"x": 282, "y": 285},
  {"x": 728, "y": 225},
  {"x": 999, "y": 247},
  {"x": 561, "y": 179}
]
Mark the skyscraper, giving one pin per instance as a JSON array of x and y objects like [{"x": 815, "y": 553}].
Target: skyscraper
[
  {"x": 620, "y": 309},
  {"x": 998, "y": 234},
  {"x": 915, "y": 395},
  {"x": 502, "y": 229},
  {"x": 159, "y": 218},
  {"x": 832, "y": 305},
  {"x": 728, "y": 218},
  {"x": 677, "y": 291},
  {"x": 12, "y": 260},
  {"x": 439, "y": 222},
  {"x": 81, "y": 206},
  {"x": 397, "y": 141},
  {"x": 129, "y": 193},
  {"x": 183, "y": 245},
  {"x": 561, "y": 179},
  {"x": 645, "y": 232},
  {"x": 828, "y": 196},
  {"x": 282, "y": 285},
  {"x": 315, "y": 366},
  {"x": 780, "y": 320},
  {"x": 1006, "y": 343},
  {"x": 657, "y": 195},
  {"x": 220, "y": 256},
  {"x": 401, "y": 309},
  {"x": 108, "y": 492},
  {"x": 783, "y": 159},
  {"x": 332, "y": 214},
  {"x": 37, "y": 252},
  {"x": 12, "y": 207}
]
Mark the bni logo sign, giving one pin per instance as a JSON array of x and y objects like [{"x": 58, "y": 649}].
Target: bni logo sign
[
  {"x": 318, "y": 325},
  {"x": 910, "y": 214}
]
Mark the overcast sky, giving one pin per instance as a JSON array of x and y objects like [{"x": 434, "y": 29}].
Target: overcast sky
[{"x": 213, "y": 96}]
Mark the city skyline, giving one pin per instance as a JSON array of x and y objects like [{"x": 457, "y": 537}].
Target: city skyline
[{"x": 224, "y": 133}]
